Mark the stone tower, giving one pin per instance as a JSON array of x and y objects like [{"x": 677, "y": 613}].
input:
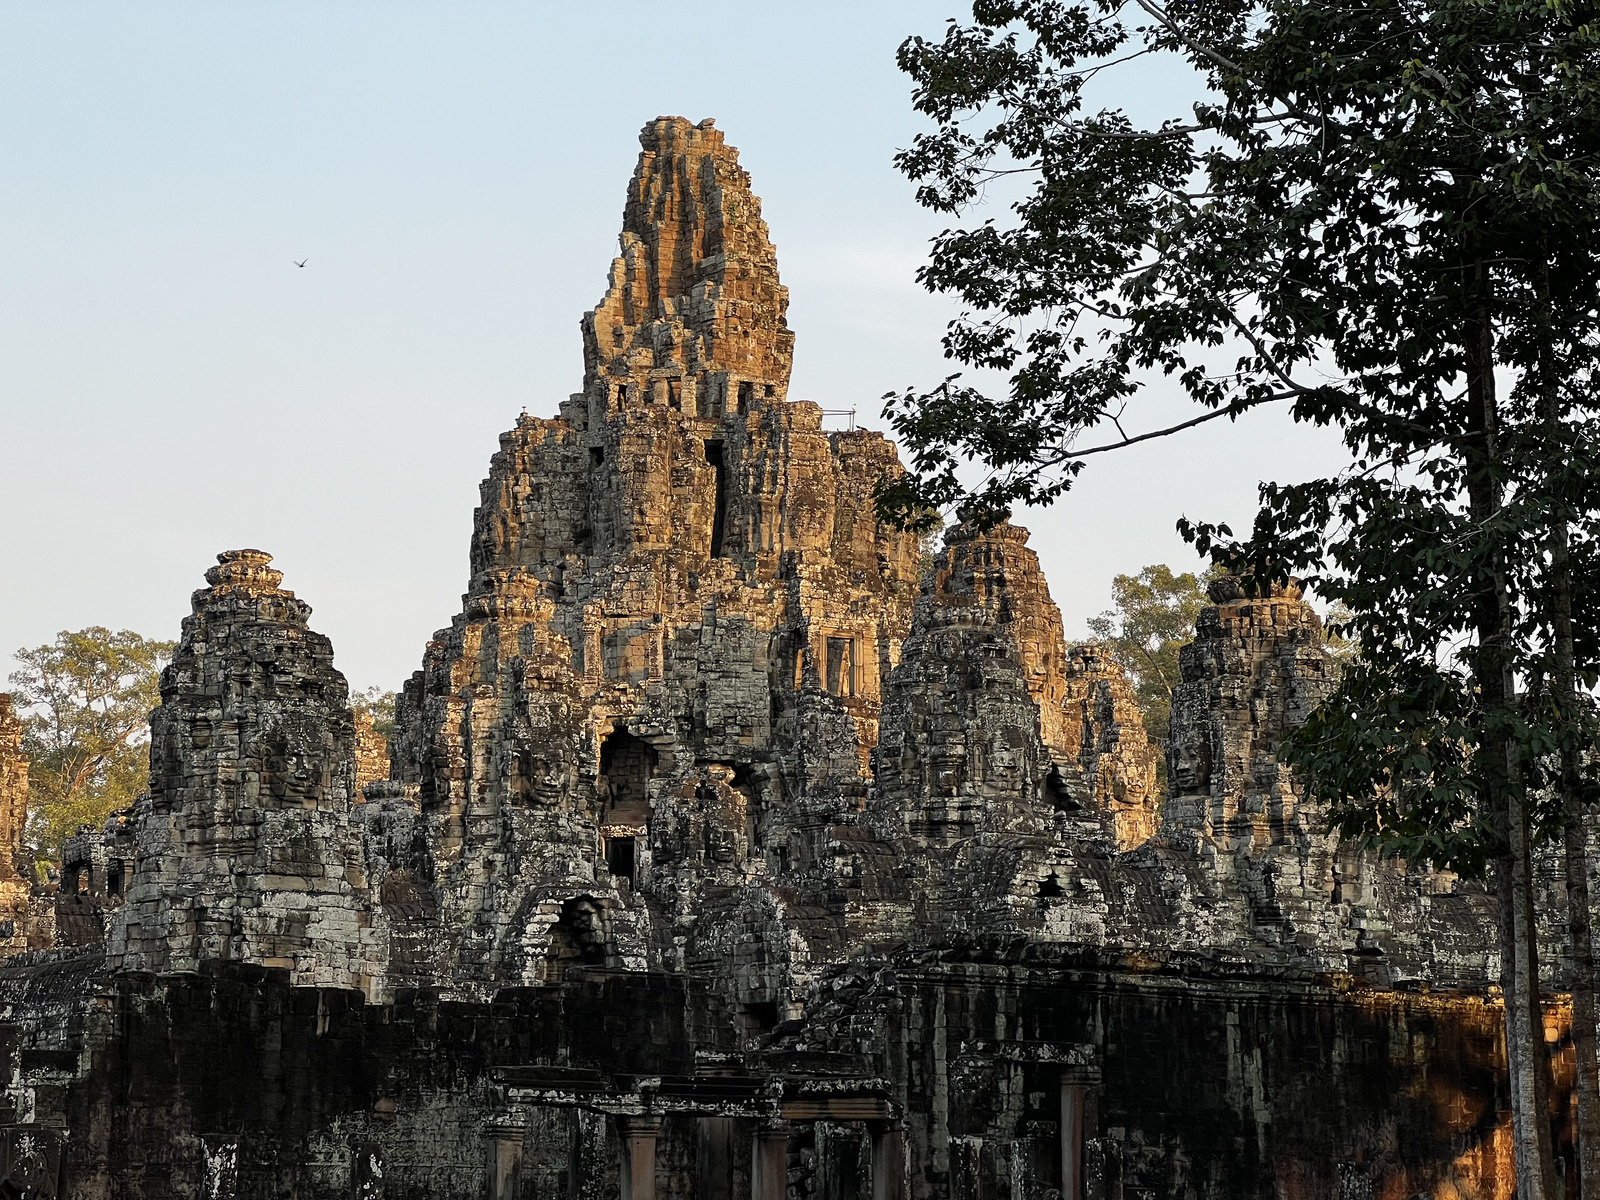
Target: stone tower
[
  {"x": 988, "y": 637},
  {"x": 1256, "y": 669},
  {"x": 245, "y": 850},
  {"x": 14, "y": 871},
  {"x": 681, "y": 611},
  {"x": 1006, "y": 762}
]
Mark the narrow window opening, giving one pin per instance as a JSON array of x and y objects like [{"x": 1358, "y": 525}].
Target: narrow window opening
[
  {"x": 755, "y": 815},
  {"x": 763, "y": 1015},
  {"x": 70, "y": 879},
  {"x": 622, "y": 396},
  {"x": 719, "y": 515},
  {"x": 769, "y": 391},
  {"x": 674, "y": 399},
  {"x": 842, "y": 666},
  {"x": 619, "y": 857},
  {"x": 747, "y": 392},
  {"x": 114, "y": 880},
  {"x": 597, "y": 456}
]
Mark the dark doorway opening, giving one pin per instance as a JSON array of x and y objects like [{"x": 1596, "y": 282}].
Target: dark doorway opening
[
  {"x": 577, "y": 939},
  {"x": 626, "y": 764},
  {"x": 719, "y": 515},
  {"x": 747, "y": 393},
  {"x": 619, "y": 857},
  {"x": 763, "y": 1015},
  {"x": 1057, "y": 793}
]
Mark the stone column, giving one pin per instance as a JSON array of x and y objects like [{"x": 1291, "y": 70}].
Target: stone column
[
  {"x": 888, "y": 1160},
  {"x": 638, "y": 1137},
  {"x": 769, "y": 1168}
]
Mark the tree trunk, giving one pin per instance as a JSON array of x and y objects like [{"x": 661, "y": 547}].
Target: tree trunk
[
  {"x": 1583, "y": 1015},
  {"x": 1527, "y": 1061},
  {"x": 1575, "y": 840}
]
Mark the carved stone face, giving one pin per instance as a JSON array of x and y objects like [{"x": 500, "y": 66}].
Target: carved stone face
[
  {"x": 1191, "y": 763},
  {"x": 588, "y": 923}
]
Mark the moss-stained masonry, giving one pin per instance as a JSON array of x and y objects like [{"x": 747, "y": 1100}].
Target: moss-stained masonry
[{"x": 727, "y": 852}]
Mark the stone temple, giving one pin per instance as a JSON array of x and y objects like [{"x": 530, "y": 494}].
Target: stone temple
[{"x": 731, "y": 845}]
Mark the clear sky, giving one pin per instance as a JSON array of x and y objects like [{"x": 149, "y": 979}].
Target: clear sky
[{"x": 171, "y": 385}]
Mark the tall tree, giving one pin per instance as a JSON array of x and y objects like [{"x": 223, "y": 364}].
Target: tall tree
[
  {"x": 1152, "y": 617},
  {"x": 85, "y": 700},
  {"x": 1354, "y": 221}
]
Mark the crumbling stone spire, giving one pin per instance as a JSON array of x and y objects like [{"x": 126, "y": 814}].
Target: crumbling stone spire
[
  {"x": 245, "y": 847},
  {"x": 1256, "y": 669},
  {"x": 987, "y": 634},
  {"x": 681, "y": 612},
  {"x": 694, "y": 315},
  {"x": 1108, "y": 761}
]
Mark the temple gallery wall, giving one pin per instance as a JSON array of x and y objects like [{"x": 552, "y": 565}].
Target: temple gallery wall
[{"x": 727, "y": 848}]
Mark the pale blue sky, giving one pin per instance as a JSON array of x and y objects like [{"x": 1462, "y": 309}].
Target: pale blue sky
[{"x": 171, "y": 385}]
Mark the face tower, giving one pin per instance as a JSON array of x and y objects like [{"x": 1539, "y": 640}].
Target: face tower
[{"x": 681, "y": 612}]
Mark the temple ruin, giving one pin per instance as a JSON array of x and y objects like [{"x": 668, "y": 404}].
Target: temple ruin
[{"x": 727, "y": 846}]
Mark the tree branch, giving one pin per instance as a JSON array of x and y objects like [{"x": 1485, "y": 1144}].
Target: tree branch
[{"x": 1233, "y": 410}]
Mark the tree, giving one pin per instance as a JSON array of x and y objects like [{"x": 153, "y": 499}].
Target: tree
[
  {"x": 378, "y": 704},
  {"x": 1152, "y": 620},
  {"x": 85, "y": 700},
  {"x": 1371, "y": 210}
]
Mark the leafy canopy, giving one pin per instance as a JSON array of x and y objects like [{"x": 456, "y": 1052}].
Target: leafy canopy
[
  {"x": 85, "y": 701},
  {"x": 1368, "y": 210},
  {"x": 1152, "y": 618}
]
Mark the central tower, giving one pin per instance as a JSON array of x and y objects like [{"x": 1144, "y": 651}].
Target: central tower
[{"x": 664, "y": 687}]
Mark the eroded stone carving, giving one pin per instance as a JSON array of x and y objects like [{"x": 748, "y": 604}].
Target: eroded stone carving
[{"x": 682, "y": 609}]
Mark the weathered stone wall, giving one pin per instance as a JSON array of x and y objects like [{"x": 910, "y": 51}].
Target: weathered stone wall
[
  {"x": 1196, "y": 1080},
  {"x": 1194, "y": 1083}
]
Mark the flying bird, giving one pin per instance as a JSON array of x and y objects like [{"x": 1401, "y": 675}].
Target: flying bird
[{"x": 302, "y": 262}]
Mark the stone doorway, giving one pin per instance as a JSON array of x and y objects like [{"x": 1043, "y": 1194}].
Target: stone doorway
[{"x": 626, "y": 765}]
